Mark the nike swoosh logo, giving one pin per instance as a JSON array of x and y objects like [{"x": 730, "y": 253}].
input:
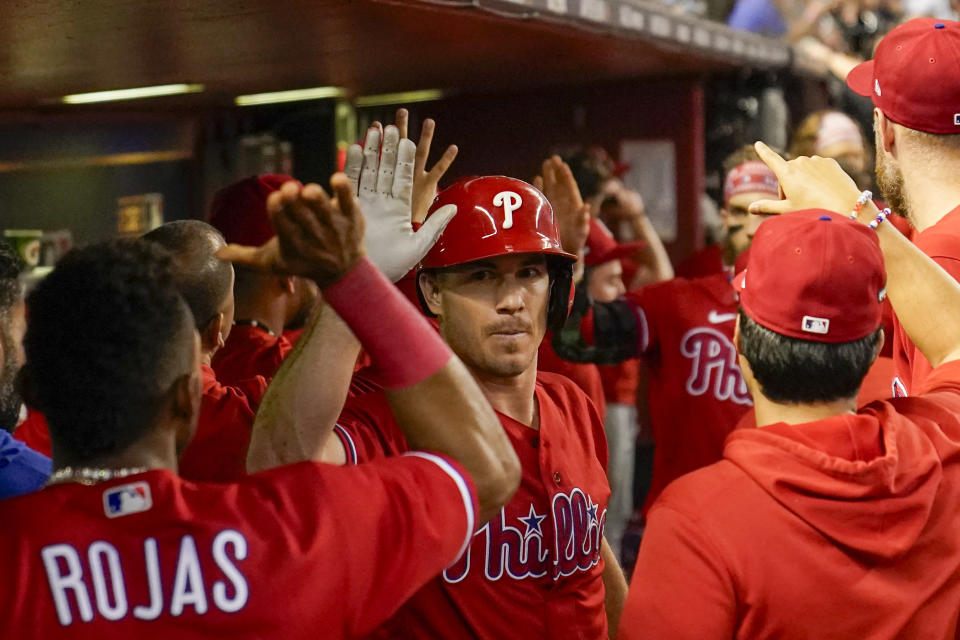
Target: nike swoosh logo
[{"x": 719, "y": 318}]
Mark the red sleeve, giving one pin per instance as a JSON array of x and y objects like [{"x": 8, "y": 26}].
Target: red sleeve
[
  {"x": 367, "y": 430},
  {"x": 681, "y": 589},
  {"x": 293, "y": 335},
  {"x": 937, "y": 246},
  {"x": 218, "y": 450},
  {"x": 253, "y": 390},
  {"x": 943, "y": 383},
  {"x": 378, "y": 531}
]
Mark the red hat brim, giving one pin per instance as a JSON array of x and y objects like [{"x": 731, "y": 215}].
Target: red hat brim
[{"x": 860, "y": 79}]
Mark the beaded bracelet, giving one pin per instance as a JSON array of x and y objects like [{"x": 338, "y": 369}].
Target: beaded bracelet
[
  {"x": 858, "y": 205},
  {"x": 880, "y": 218}
]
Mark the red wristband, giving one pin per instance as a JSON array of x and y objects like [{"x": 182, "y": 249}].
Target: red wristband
[{"x": 402, "y": 345}]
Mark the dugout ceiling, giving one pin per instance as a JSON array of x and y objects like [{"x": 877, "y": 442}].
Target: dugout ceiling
[{"x": 49, "y": 48}]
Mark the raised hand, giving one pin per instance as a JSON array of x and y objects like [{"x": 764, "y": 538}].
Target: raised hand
[
  {"x": 317, "y": 237},
  {"x": 381, "y": 173},
  {"x": 425, "y": 182},
  {"x": 572, "y": 215},
  {"x": 807, "y": 183}
]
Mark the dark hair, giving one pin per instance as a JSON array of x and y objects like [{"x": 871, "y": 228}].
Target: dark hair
[
  {"x": 203, "y": 280},
  {"x": 10, "y": 286},
  {"x": 796, "y": 371},
  {"x": 591, "y": 168},
  {"x": 107, "y": 336},
  {"x": 10, "y": 295}
]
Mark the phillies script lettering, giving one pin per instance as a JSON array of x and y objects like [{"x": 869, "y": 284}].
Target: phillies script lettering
[
  {"x": 527, "y": 550},
  {"x": 713, "y": 360},
  {"x": 104, "y": 587}
]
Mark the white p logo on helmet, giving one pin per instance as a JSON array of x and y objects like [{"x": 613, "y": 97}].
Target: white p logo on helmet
[{"x": 510, "y": 201}]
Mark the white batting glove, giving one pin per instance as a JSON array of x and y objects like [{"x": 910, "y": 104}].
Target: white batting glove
[{"x": 383, "y": 180}]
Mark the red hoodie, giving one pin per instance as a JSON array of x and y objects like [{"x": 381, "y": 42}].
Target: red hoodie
[{"x": 841, "y": 528}]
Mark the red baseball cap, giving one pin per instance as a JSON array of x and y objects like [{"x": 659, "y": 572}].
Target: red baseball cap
[
  {"x": 239, "y": 211},
  {"x": 914, "y": 77},
  {"x": 814, "y": 275},
  {"x": 603, "y": 247}
]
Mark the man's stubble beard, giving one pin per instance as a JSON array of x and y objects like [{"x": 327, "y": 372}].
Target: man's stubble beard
[
  {"x": 10, "y": 399},
  {"x": 890, "y": 181}
]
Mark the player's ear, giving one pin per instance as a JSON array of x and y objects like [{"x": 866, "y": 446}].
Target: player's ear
[
  {"x": 429, "y": 285},
  {"x": 287, "y": 284},
  {"x": 211, "y": 336},
  {"x": 186, "y": 394},
  {"x": 736, "y": 333},
  {"x": 182, "y": 400},
  {"x": 887, "y": 131}
]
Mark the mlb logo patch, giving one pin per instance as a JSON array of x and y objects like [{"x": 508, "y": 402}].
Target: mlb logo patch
[
  {"x": 956, "y": 119},
  {"x": 812, "y": 324},
  {"x": 126, "y": 499}
]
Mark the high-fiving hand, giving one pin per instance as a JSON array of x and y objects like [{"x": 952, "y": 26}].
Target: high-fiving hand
[
  {"x": 381, "y": 173},
  {"x": 572, "y": 215},
  {"x": 425, "y": 182}
]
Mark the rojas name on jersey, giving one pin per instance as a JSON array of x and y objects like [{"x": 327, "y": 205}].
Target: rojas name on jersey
[{"x": 91, "y": 581}]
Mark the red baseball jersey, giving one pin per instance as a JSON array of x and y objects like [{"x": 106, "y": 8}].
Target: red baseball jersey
[
  {"x": 697, "y": 393},
  {"x": 304, "y": 551},
  {"x": 249, "y": 352},
  {"x": 293, "y": 335},
  {"x": 620, "y": 382},
  {"x": 218, "y": 450},
  {"x": 535, "y": 570},
  {"x": 583, "y": 374},
  {"x": 942, "y": 243},
  {"x": 705, "y": 262}
]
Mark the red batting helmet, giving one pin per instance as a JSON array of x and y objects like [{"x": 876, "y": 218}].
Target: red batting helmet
[{"x": 498, "y": 216}]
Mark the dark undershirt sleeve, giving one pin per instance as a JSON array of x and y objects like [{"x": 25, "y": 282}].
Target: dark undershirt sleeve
[{"x": 600, "y": 333}]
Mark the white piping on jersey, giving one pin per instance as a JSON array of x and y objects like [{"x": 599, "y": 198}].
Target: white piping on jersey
[
  {"x": 461, "y": 483},
  {"x": 347, "y": 440}
]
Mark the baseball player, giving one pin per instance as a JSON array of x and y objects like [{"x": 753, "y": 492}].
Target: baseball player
[
  {"x": 559, "y": 186},
  {"x": 218, "y": 450},
  {"x": 22, "y": 469},
  {"x": 296, "y": 552},
  {"x": 914, "y": 83},
  {"x": 603, "y": 275},
  {"x": 496, "y": 279},
  {"x": 825, "y": 522},
  {"x": 683, "y": 329},
  {"x": 266, "y": 304}
]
